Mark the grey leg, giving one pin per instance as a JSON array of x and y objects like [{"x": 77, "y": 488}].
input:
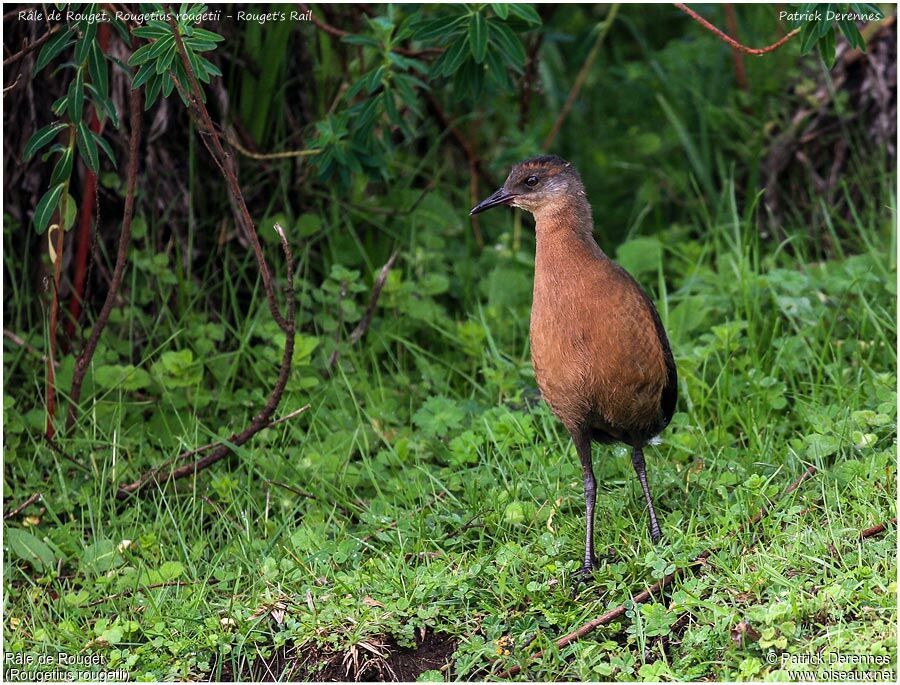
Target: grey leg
[
  {"x": 583, "y": 447},
  {"x": 637, "y": 459}
]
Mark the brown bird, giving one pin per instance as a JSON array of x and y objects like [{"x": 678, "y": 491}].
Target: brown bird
[{"x": 599, "y": 350}]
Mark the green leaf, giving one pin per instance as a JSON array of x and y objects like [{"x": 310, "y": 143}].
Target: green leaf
[
  {"x": 437, "y": 29},
  {"x": 76, "y": 97},
  {"x": 170, "y": 570},
  {"x": 45, "y": 208},
  {"x": 143, "y": 75},
  {"x": 67, "y": 203},
  {"x": 87, "y": 147},
  {"x": 852, "y": 34},
  {"x": 509, "y": 44},
  {"x": 52, "y": 48},
  {"x": 59, "y": 105},
  {"x": 84, "y": 44},
  {"x": 23, "y": 545},
  {"x": 153, "y": 32},
  {"x": 500, "y": 9},
  {"x": 826, "y": 47},
  {"x": 208, "y": 36},
  {"x": 808, "y": 37},
  {"x": 142, "y": 55},
  {"x": 209, "y": 66},
  {"x": 824, "y": 25},
  {"x": 526, "y": 12},
  {"x": 151, "y": 92},
  {"x": 497, "y": 70},
  {"x": 98, "y": 71},
  {"x": 438, "y": 416},
  {"x": 98, "y": 139},
  {"x": 451, "y": 59},
  {"x": 41, "y": 138},
  {"x": 641, "y": 255},
  {"x": 63, "y": 168},
  {"x": 360, "y": 40},
  {"x": 478, "y": 37},
  {"x": 100, "y": 556},
  {"x": 126, "y": 377},
  {"x": 164, "y": 61}
]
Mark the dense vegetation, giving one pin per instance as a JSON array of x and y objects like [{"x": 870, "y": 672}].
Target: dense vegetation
[{"x": 426, "y": 498}]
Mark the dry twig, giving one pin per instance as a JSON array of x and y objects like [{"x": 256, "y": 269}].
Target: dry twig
[
  {"x": 875, "y": 530},
  {"x": 363, "y": 326},
  {"x": 12, "y": 59},
  {"x": 22, "y": 507},
  {"x": 12, "y": 337}
]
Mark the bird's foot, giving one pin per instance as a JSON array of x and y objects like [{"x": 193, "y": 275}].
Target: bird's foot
[{"x": 583, "y": 575}]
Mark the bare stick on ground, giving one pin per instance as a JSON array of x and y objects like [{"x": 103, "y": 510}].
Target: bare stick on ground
[
  {"x": 656, "y": 588},
  {"x": 84, "y": 359},
  {"x": 22, "y": 507},
  {"x": 156, "y": 471},
  {"x": 875, "y": 530}
]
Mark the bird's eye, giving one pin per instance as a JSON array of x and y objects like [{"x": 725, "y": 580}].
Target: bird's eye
[{"x": 531, "y": 181}]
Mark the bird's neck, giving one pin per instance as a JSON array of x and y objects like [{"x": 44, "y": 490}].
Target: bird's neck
[{"x": 564, "y": 231}]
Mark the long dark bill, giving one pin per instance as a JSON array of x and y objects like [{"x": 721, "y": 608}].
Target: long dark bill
[{"x": 500, "y": 197}]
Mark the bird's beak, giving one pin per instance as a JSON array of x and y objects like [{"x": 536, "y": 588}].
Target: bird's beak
[{"x": 500, "y": 197}]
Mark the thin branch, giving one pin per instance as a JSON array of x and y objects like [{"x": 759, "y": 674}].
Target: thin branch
[
  {"x": 84, "y": 359},
  {"x": 286, "y": 154},
  {"x": 655, "y": 589},
  {"x": 60, "y": 452},
  {"x": 340, "y": 33},
  {"x": 731, "y": 41},
  {"x": 205, "y": 448},
  {"x": 582, "y": 77},
  {"x": 377, "y": 286},
  {"x": 225, "y": 161},
  {"x": 260, "y": 421},
  {"x": 363, "y": 326},
  {"x": 12, "y": 59},
  {"x": 12, "y": 337},
  {"x": 22, "y": 507},
  {"x": 875, "y": 530}
]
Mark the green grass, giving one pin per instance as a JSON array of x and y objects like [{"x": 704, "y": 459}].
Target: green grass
[{"x": 427, "y": 488}]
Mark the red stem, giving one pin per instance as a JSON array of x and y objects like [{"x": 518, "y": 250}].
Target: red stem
[
  {"x": 86, "y": 215},
  {"x": 731, "y": 41}
]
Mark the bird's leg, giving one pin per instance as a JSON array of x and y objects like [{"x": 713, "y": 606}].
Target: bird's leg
[
  {"x": 637, "y": 458},
  {"x": 583, "y": 447}
]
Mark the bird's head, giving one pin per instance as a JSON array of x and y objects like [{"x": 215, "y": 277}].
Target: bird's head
[{"x": 536, "y": 185}]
